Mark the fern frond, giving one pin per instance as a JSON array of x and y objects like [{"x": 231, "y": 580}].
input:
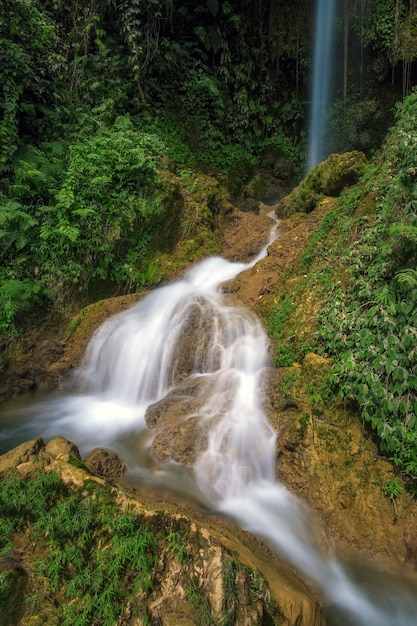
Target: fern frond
[{"x": 407, "y": 277}]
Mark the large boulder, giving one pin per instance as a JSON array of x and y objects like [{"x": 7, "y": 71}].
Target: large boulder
[
  {"x": 106, "y": 464},
  {"x": 328, "y": 178}
]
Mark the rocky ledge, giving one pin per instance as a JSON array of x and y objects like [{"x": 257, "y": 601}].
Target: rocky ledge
[{"x": 61, "y": 522}]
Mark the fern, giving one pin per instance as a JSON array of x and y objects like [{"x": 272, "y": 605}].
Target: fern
[
  {"x": 19, "y": 295},
  {"x": 407, "y": 277},
  {"x": 16, "y": 228}
]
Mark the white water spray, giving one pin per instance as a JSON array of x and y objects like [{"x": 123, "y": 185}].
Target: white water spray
[
  {"x": 320, "y": 89},
  {"x": 137, "y": 357}
]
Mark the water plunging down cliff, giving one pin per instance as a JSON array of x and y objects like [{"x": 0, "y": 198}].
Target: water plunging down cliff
[
  {"x": 142, "y": 357},
  {"x": 321, "y": 79}
]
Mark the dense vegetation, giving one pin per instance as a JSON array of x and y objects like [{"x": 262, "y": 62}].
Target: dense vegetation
[
  {"x": 369, "y": 324},
  {"x": 96, "y": 95},
  {"x": 100, "y": 100},
  {"x": 102, "y": 555},
  {"x": 361, "y": 265}
]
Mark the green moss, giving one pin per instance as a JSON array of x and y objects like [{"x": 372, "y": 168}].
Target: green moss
[
  {"x": 78, "y": 464},
  {"x": 328, "y": 178}
]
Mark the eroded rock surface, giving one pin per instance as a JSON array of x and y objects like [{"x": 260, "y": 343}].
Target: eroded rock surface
[
  {"x": 106, "y": 464},
  {"x": 178, "y": 434}
]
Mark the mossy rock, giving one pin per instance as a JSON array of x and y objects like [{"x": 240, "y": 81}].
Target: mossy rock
[
  {"x": 275, "y": 160},
  {"x": 238, "y": 175},
  {"x": 328, "y": 178}
]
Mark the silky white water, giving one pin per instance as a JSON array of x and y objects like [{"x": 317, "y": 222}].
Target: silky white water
[
  {"x": 321, "y": 80},
  {"x": 137, "y": 357}
]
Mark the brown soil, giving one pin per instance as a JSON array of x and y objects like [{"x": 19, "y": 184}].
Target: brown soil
[{"x": 294, "y": 234}]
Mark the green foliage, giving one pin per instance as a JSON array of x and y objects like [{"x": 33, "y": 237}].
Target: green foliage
[
  {"x": 230, "y": 594},
  {"x": 378, "y": 26},
  {"x": 176, "y": 547},
  {"x": 259, "y": 589},
  {"x": 17, "y": 296},
  {"x": 369, "y": 326},
  {"x": 278, "y": 317},
  {"x": 392, "y": 488},
  {"x": 281, "y": 319},
  {"x": 101, "y": 557},
  {"x": 27, "y": 56},
  {"x": 78, "y": 211},
  {"x": 359, "y": 124},
  {"x": 318, "y": 247},
  {"x": 200, "y": 603},
  {"x": 213, "y": 84},
  {"x": 390, "y": 28}
]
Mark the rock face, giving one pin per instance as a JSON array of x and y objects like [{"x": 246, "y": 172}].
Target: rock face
[
  {"x": 205, "y": 570},
  {"x": 175, "y": 436},
  {"x": 325, "y": 179},
  {"x": 324, "y": 456}
]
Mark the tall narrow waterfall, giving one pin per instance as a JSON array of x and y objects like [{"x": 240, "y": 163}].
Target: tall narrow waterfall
[
  {"x": 320, "y": 88},
  {"x": 136, "y": 359}
]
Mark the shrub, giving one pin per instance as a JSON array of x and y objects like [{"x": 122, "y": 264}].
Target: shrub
[{"x": 78, "y": 210}]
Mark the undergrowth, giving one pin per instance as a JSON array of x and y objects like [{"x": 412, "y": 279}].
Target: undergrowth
[
  {"x": 88, "y": 560},
  {"x": 79, "y": 209},
  {"x": 283, "y": 322},
  {"x": 368, "y": 324},
  {"x": 361, "y": 265},
  {"x": 95, "y": 556}
]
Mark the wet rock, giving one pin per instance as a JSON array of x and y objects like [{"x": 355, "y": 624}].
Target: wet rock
[
  {"x": 324, "y": 456},
  {"x": 59, "y": 456},
  {"x": 105, "y": 464},
  {"x": 258, "y": 284},
  {"x": 180, "y": 435},
  {"x": 246, "y": 234}
]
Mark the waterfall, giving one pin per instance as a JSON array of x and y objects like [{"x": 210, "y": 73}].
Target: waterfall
[
  {"x": 137, "y": 357},
  {"x": 320, "y": 88}
]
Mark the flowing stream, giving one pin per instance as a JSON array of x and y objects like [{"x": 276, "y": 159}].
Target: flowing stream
[{"x": 134, "y": 360}]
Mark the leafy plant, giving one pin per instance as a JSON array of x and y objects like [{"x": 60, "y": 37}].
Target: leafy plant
[
  {"x": 176, "y": 547},
  {"x": 27, "y": 56},
  {"x": 392, "y": 488},
  {"x": 369, "y": 323},
  {"x": 84, "y": 213},
  {"x": 101, "y": 556}
]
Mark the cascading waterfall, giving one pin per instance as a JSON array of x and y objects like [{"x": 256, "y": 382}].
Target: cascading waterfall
[
  {"x": 320, "y": 88},
  {"x": 135, "y": 359}
]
